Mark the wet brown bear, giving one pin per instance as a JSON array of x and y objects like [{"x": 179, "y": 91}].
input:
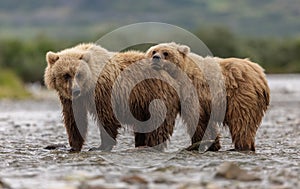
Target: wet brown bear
[
  {"x": 246, "y": 90},
  {"x": 86, "y": 78}
]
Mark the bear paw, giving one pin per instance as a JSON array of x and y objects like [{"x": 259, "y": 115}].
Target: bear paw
[{"x": 203, "y": 146}]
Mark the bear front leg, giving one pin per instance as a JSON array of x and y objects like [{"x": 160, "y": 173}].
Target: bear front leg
[
  {"x": 158, "y": 138},
  {"x": 205, "y": 139},
  {"x": 75, "y": 120},
  {"x": 108, "y": 135},
  {"x": 139, "y": 139}
]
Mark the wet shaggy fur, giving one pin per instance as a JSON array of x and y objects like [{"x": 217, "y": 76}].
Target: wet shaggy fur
[
  {"x": 85, "y": 77},
  {"x": 247, "y": 93}
]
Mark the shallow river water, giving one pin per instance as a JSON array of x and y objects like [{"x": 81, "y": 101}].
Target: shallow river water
[{"x": 26, "y": 127}]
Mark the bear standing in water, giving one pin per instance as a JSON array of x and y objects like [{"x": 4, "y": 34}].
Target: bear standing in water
[
  {"x": 84, "y": 77},
  {"x": 247, "y": 93}
]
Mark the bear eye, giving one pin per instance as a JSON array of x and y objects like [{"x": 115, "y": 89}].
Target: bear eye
[
  {"x": 67, "y": 76},
  {"x": 165, "y": 54},
  {"x": 153, "y": 52}
]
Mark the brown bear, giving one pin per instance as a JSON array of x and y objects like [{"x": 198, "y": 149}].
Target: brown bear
[
  {"x": 87, "y": 80},
  {"x": 246, "y": 97}
]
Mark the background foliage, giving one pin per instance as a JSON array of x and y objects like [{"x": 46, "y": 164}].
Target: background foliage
[
  {"x": 11, "y": 86},
  {"x": 266, "y": 31},
  {"x": 27, "y": 57}
]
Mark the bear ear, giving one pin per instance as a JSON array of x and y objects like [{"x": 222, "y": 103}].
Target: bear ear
[
  {"x": 85, "y": 57},
  {"x": 51, "y": 57},
  {"x": 183, "y": 49}
]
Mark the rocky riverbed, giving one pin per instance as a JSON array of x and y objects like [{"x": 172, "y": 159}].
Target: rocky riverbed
[{"x": 26, "y": 127}]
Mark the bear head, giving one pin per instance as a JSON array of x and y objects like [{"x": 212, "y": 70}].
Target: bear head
[
  {"x": 167, "y": 53},
  {"x": 69, "y": 71}
]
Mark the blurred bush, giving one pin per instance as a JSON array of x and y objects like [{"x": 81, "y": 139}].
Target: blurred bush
[
  {"x": 276, "y": 55},
  {"x": 11, "y": 86},
  {"x": 27, "y": 57}
]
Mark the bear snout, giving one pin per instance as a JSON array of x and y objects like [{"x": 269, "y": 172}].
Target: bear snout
[
  {"x": 156, "y": 62},
  {"x": 76, "y": 92},
  {"x": 156, "y": 57}
]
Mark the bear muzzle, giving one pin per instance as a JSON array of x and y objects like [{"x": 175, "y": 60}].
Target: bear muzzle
[
  {"x": 76, "y": 90},
  {"x": 76, "y": 93},
  {"x": 156, "y": 62},
  {"x": 156, "y": 58}
]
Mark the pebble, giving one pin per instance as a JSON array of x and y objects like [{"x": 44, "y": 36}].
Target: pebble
[
  {"x": 3, "y": 185},
  {"x": 229, "y": 170},
  {"x": 134, "y": 180}
]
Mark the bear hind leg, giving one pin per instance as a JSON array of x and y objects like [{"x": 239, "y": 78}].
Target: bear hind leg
[
  {"x": 242, "y": 143},
  {"x": 243, "y": 136}
]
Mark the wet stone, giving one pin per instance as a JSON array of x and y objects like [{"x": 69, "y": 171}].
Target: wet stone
[
  {"x": 230, "y": 170},
  {"x": 135, "y": 179},
  {"x": 163, "y": 180},
  {"x": 24, "y": 163},
  {"x": 4, "y": 185}
]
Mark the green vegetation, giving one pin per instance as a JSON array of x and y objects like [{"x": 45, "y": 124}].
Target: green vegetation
[
  {"x": 23, "y": 61},
  {"x": 266, "y": 31},
  {"x": 11, "y": 86},
  {"x": 27, "y": 58},
  {"x": 276, "y": 55}
]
